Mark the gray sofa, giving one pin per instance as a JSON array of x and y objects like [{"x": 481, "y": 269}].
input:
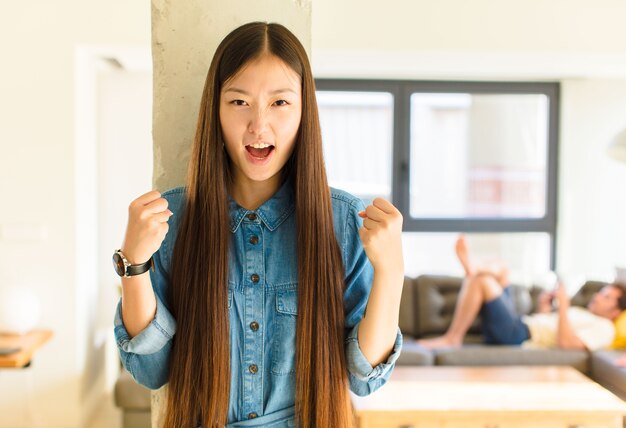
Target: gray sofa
[
  {"x": 426, "y": 310},
  {"x": 134, "y": 401}
]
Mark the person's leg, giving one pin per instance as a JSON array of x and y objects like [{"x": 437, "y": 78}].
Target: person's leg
[
  {"x": 475, "y": 291},
  {"x": 462, "y": 253},
  {"x": 501, "y": 324},
  {"x": 498, "y": 269}
]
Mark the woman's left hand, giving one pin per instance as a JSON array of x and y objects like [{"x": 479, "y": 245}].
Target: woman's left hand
[{"x": 381, "y": 235}]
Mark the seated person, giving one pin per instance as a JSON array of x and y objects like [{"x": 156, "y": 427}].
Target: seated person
[{"x": 485, "y": 290}]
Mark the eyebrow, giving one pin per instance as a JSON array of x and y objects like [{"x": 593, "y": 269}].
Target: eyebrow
[{"x": 274, "y": 92}]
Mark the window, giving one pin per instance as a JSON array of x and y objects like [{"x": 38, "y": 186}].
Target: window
[
  {"x": 357, "y": 132},
  {"x": 492, "y": 148},
  {"x": 474, "y": 157}
]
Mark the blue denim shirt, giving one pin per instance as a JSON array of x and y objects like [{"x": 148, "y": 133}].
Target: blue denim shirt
[{"x": 263, "y": 244}]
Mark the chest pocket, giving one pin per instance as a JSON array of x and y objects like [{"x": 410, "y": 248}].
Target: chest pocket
[{"x": 284, "y": 339}]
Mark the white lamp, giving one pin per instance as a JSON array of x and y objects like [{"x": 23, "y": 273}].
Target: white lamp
[
  {"x": 19, "y": 310},
  {"x": 617, "y": 148}
]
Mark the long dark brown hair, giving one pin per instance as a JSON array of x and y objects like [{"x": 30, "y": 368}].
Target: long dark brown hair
[{"x": 200, "y": 361}]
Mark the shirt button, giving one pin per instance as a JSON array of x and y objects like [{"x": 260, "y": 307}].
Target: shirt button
[
  {"x": 254, "y": 326},
  {"x": 253, "y": 368},
  {"x": 251, "y": 216},
  {"x": 254, "y": 240},
  {"x": 255, "y": 278},
  {"x": 252, "y": 415}
]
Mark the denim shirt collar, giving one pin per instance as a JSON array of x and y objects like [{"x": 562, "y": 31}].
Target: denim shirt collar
[{"x": 272, "y": 213}]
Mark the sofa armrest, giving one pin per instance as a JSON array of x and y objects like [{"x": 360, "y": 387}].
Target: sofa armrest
[
  {"x": 607, "y": 373},
  {"x": 130, "y": 395}
]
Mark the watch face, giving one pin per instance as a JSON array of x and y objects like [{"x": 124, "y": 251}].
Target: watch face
[{"x": 118, "y": 264}]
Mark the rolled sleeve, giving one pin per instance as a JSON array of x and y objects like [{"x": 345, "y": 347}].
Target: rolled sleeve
[
  {"x": 146, "y": 356},
  {"x": 152, "y": 338},
  {"x": 365, "y": 379}
]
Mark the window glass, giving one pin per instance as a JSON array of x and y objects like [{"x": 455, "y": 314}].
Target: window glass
[
  {"x": 478, "y": 155},
  {"x": 357, "y": 132}
]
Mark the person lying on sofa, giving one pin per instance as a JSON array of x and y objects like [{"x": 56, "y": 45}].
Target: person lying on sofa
[{"x": 485, "y": 291}]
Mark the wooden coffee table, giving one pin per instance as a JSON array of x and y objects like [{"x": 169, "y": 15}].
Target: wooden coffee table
[{"x": 513, "y": 396}]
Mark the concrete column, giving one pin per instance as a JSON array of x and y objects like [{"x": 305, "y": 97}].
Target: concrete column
[{"x": 184, "y": 38}]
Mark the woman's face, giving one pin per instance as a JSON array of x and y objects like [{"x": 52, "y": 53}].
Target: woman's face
[{"x": 260, "y": 111}]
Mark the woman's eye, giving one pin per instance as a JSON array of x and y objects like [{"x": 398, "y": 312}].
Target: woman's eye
[
  {"x": 281, "y": 103},
  {"x": 238, "y": 102}
]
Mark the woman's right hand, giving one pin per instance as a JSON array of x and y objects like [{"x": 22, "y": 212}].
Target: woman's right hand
[{"x": 147, "y": 227}]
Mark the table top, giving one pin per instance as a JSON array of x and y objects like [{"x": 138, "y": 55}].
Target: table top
[
  {"x": 485, "y": 389},
  {"x": 28, "y": 344}
]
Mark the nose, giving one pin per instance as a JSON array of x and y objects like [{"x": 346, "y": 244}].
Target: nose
[{"x": 258, "y": 122}]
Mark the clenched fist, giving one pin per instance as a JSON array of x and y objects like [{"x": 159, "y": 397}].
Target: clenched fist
[
  {"x": 381, "y": 235},
  {"x": 147, "y": 227}
]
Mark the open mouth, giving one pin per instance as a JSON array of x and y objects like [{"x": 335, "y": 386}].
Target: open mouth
[{"x": 260, "y": 150}]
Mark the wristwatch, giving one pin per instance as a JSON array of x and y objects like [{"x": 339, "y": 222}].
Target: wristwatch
[{"x": 124, "y": 268}]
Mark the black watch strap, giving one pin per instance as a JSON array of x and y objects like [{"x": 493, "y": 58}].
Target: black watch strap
[{"x": 133, "y": 270}]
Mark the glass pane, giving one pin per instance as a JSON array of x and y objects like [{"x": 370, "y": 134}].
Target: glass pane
[
  {"x": 478, "y": 155},
  {"x": 527, "y": 255},
  {"x": 357, "y": 131}
]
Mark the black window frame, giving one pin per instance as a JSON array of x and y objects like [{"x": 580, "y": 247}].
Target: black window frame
[{"x": 402, "y": 91}]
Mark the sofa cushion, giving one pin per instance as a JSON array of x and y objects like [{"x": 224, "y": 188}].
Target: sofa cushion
[
  {"x": 129, "y": 394},
  {"x": 414, "y": 355},
  {"x": 605, "y": 372},
  {"x": 408, "y": 312},
  {"x": 137, "y": 419},
  {"x": 584, "y": 294},
  {"x": 492, "y": 355},
  {"x": 435, "y": 300}
]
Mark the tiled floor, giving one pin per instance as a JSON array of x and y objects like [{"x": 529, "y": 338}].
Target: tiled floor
[{"x": 107, "y": 416}]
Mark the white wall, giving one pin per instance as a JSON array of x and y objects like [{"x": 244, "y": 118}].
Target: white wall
[
  {"x": 592, "y": 207},
  {"x": 124, "y": 112},
  {"x": 580, "y": 43},
  {"x": 482, "y": 39},
  {"x": 479, "y": 25},
  {"x": 37, "y": 182}
]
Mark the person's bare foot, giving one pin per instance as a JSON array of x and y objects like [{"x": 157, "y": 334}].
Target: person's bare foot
[
  {"x": 439, "y": 342},
  {"x": 462, "y": 253}
]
